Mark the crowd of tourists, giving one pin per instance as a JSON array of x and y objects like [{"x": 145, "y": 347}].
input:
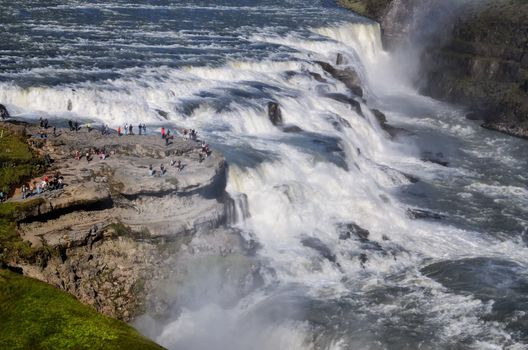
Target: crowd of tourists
[
  {"x": 91, "y": 153},
  {"x": 42, "y": 185},
  {"x": 128, "y": 129},
  {"x": 57, "y": 181}
]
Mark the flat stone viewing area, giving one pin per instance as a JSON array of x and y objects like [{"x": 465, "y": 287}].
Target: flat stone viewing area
[{"x": 113, "y": 227}]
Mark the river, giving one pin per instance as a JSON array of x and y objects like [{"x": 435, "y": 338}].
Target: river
[{"x": 455, "y": 278}]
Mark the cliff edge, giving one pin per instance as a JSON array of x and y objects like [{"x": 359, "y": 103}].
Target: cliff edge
[{"x": 475, "y": 54}]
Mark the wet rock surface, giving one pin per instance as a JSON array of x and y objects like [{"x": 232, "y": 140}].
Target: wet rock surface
[
  {"x": 415, "y": 214},
  {"x": 4, "y": 113},
  {"x": 274, "y": 113},
  {"x": 347, "y": 76}
]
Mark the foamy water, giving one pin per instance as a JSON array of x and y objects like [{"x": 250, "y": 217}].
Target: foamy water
[{"x": 214, "y": 67}]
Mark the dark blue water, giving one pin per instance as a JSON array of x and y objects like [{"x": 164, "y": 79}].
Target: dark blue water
[{"x": 93, "y": 40}]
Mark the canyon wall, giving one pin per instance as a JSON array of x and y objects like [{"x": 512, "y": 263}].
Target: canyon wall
[{"x": 473, "y": 53}]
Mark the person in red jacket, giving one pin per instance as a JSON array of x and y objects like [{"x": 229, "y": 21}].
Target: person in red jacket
[{"x": 162, "y": 133}]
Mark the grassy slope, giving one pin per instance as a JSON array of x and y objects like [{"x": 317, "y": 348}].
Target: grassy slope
[
  {"x": 34, "y": 315},
  {"x": 12, "y": 246},
  {"x": 17, "y": 161},
  {"x": 37, "y": 316}
]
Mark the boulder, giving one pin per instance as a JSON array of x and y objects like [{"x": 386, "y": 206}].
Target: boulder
[
  {"x": 346, "y": 231},
  {"x": 292, "y": 129},
  {"x": 382, "y": 119},
  {"x": 318, "y": 245},
  {"x": 347, "y": 76},
  {"x": 423, "y": 214},
  {"x": 4, "y": 114},
  {"x": 163, "y": 114},
  {"x": 274, "y": 113},
  {"x": 356, "y": 106},
  {"x": 317, "y": 77},
  {"x": 434, "y": 158},
  {"x": 340, "y": 59}
]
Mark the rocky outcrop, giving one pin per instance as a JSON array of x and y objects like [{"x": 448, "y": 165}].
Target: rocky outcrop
[
  {"x": 474, "y": 53},
  {"x": 484, "y": 65},
  {"x": 274, "y": 113},
  {"x": 4, "y": 113},
  {"x": 347, "y": 76},
  {"x": 109, "y": 236}
]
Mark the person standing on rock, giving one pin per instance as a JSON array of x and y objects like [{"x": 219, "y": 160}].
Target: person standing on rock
[
  {"x": 151, "y": 170},
  {"x": 162, "y": 132},
  {"x": 130, "y": 130},
  {"x": 126, "y": 128}
]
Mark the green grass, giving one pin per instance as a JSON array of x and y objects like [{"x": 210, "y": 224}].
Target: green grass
[
  {"x": 17, "y": 164},
  {"x": 11, "y": 244},
  {"x": 12, "y": 147},
  {"x": 17, "y": 161},
  {"x": 37, "y": 316},
  {"x": 33, "y": 314}
]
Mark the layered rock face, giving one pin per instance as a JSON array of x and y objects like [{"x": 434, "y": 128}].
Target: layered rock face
[
  {"x": 115, "y": 231},
  {"x": 484, "y": 64},
  {"x": 474, "y": 53}
]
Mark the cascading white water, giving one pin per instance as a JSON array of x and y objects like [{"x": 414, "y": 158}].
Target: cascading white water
[
  {"x": 294, "y": 192},
  {"x": 299, "y": 194}
]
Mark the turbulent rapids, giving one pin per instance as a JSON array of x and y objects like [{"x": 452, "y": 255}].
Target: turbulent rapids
[{"x": 365, "y": 240}]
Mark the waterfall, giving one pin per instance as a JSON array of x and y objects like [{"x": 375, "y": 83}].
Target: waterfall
[
  {"x": 364, "y": 38},
  {"x": 319, "y": 203},
  {"x": 325, "y": 200}
]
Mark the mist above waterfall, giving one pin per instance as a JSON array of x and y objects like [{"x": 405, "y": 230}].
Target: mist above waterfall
[{"x": 412, "y": 27}]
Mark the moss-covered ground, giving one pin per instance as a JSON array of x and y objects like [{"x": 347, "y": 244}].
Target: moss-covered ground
[
  {"x": 37, "y": 316},
  {"x": 17, "y": 161},
  {"x": 12, "y": 246}
]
